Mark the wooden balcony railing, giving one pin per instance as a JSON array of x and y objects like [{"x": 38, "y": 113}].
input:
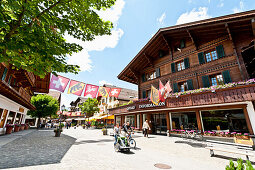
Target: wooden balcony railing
[
  {"x": 229, "y": 95},
  {"x": 24, "y": 94},
  {"x": 31, "y": 77}
]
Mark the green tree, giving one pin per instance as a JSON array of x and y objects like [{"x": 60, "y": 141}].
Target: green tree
[
  {"x": 32, "y": 32},
  {"x": 45, "y": 106},
  {"x": 89, "y": 107}
]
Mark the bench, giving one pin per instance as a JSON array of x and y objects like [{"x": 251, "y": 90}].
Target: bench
[{"x": 247, "y": 153}]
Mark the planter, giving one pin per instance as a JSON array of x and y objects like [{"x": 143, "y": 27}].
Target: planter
[
  {"x": 9, "y": 129},
  {"x": 243, "y": 137},
  {"x": 16, "y": 128},
  {"x": 57, "y": 132},
  {"x": 26, "y": 127},
  {"x": 22, "y": 127},
  {"x": 243, "y": 141}
]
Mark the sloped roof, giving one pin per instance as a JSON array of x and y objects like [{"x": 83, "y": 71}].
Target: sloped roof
[{"x": 125, "y": 94}]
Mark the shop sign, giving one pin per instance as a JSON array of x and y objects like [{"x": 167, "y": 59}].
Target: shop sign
[
  {"x": 131, "y": 108},
  {"x": 151, "y": 105}
]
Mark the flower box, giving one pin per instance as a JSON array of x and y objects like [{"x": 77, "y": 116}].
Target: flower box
[
  {"x": 243, "y": 137},
  {"x": 243, "y": 141},
  {"x": 16, "y": 128},
  {"x": 9, "y": 129}
]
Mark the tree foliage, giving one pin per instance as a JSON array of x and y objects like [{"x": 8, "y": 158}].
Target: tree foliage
[
  {"x": 32, "y": 32},
  {"x": 89, "y": 107},
  {"x": 45, "y": 106}
]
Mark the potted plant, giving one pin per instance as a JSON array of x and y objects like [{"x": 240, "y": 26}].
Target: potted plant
[
  {"x": 104, "y": 131},
  {"x": 58, "y": 132},
  {"x": 26, "y": 126},
  {"x": 9, "y": 128},
  {"x": 17, "y": 127},
  {"x": 22, "y": 127}
]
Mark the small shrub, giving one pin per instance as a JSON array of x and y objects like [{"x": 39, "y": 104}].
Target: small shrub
[{"x": 240, "y": 165}]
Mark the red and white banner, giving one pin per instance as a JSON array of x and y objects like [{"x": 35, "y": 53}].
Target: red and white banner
[
  {"x": 115, "y": 92},
  {"x": 76, "y": 87},
  {"x": 164, "y": 90},
  {"x": 58, "y": 83},
  {"x": 103, "y": 91},
  {"x": 91, "y": 91}
]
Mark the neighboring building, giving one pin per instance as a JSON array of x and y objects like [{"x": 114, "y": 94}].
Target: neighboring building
[
  {"x": 199, "y": 54},
  {"x": 16, "y": 89},
  {"x": 75, "y": 104}
]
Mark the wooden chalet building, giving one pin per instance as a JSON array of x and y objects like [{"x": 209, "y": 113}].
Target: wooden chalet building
[
  {"x": 16, "y": 89},
  {"x": 191, "y": 56}
]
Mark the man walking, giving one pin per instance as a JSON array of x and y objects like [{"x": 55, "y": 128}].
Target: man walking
[{"x": 146, "y": 127}]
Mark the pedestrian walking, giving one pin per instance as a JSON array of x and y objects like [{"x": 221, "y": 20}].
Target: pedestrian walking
[{"x": 146, "y": 127}]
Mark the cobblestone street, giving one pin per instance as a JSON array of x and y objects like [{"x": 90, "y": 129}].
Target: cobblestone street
[{"x": 92, "y": 150}]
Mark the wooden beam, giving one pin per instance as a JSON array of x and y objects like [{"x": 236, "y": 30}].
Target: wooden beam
[
  {"x": 135, "y": 73},
  {"x": 168, "y": 43},
  {"x": 130, "y": 79},
  {"x": 192, "y": 39},
  {"x": 148, "y": 59},
  {"x": 229, "y": 33}
]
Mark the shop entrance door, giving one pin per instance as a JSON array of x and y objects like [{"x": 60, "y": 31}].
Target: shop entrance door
[{"x": 159, "y": 125}]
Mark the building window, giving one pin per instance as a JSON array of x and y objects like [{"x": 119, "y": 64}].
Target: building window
[
  {"x": 211, "y": 55},
  {"x": 148, "y": 93},
  {"x": 9, "y": 80},
  {"x": 151, "y": 76},
  {"x": 217, "y": 80},
  {"x": 4, "y": 73},
  {"x": 180, "y": 66},
  {"x": 183, "y": 86}
]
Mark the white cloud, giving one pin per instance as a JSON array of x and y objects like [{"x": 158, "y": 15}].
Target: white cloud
[
  {"x": 102, "y": 82},
  {"x": 221, "y": 4},
  {"x": 100, "y": 42},
  {"x": 193, "y": 15},
  {"x": 240, "y": 8},
  {"x": 161, "y": 19}
]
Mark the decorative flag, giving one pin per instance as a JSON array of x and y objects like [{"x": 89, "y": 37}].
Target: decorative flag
[
  {"x": 104, "y": 91},
  {"x": 115, "y": 92},
  {"x": 58, "y": 83},
  {"x": 76, "y": 87},
  {"x": 91, "y": 91},
  {"x": 154, "y": 95},
  {"x": 164, "y": 90}
]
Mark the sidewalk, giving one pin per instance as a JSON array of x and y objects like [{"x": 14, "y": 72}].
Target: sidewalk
[{"x": 4, "y": 139}]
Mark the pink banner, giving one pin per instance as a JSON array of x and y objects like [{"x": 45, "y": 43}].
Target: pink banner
[
  {"x": 91, "y": 91},
  {"x": 59, "y": 83}
]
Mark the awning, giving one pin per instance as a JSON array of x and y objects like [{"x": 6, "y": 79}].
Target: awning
[
  {"x": 108, "y": 117},
  {"x": 79, "y": 119}
]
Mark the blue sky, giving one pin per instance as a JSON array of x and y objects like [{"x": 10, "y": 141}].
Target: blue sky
[{"x": 135, "y": 22}]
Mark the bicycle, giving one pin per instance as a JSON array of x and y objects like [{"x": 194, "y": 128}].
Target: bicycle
[{"x": 131, "y": 141}]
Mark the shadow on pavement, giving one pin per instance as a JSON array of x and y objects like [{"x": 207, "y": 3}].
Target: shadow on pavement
[
  {"x": 128, "y": 153},
  {"x": 193, "y": 144},
  {"x": 93, "y": 141},
  {"x": 230, "y": 158}
]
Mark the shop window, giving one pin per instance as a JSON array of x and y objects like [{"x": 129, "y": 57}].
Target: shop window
[
  {"x": 184, "y": 121},
  {"x": 225, "y": 120},
  {"x": 180, "y": 65},
  {"x": 183, "y": 86},
  {"x": 11, "y": 117},
  {"x": 216, "y": 80},
  {"x": 148, "y": 93},
  {"x": 3, "y": 118}
]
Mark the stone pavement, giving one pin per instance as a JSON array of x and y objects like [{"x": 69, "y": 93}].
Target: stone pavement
[
  {"x": 94, "y": 151},
  {"x": 35, "y": 148}
]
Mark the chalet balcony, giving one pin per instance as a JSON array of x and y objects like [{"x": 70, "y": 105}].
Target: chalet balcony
[
  {"x": 24, "y": 94},
  {"x": 221, "y": 96},
  {"x": 27, "y": 78}
]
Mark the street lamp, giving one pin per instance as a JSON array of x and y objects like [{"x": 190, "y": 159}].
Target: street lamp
[{"x": 62, "y": 109}]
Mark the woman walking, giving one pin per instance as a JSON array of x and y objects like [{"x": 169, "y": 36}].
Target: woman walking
[{"x": 146, "y": 127}]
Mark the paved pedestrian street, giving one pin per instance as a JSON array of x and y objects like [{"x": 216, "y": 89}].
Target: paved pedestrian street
[{"x": 92, "y": 150}]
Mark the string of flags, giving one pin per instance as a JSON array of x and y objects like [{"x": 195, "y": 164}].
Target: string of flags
[
  {"x": 160, "y": 95},
  {"x": 60, "y": 83}
]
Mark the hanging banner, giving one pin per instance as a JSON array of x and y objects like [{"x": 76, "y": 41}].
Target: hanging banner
[
  {"x": 58, "y": 83},
  {"x": 103, "y": 91},
  {"x": 154, "y": 95},
  {"x": 91, "y": 91},
  {"x": 115, "y": 92},
  {"x": 164, "y": 90},
  {"x": 76, "y": 87}
]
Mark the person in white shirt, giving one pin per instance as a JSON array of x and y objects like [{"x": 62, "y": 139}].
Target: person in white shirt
[
  {"x": 146, "y": 127},
  {"x": 116, "y": 132}
]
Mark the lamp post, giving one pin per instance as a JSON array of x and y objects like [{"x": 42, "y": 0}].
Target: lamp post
[{"x": 62, "y": 109}]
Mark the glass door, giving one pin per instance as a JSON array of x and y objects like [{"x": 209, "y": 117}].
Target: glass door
[{"x": 159, "y": 124}]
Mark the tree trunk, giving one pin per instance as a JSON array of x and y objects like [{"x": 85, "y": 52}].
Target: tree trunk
[{"x": 38, "y": 122}]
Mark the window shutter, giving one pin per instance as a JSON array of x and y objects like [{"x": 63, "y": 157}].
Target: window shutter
[
  {"x": 175, "y": 87},
  {"x": 206, "y": 81},
  {"x": 226, "y": 77},
  {"x": 186, "y": 63},
  {"x": 143, "y": 78},
  {"x": 144, "y": 94},
  {"x": 201, "y": 58},
  {"x": 182, "y": 45},
  {"x": 173, "y": 67},
  {"x": 157, "y": 72},
  {"x": 190, "y": 84},
  {"x": 4, "y": 73},
  {"x": 10, "y": 78},
  {"x": 220, "y": 51}
]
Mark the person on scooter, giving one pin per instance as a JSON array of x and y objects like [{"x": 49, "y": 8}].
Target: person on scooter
[
  {"x": 127, "y": 128},
  {"x": 116, "y": 132}
]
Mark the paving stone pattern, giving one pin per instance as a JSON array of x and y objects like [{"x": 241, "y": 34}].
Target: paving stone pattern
[{"x": 36, "y": 148}]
